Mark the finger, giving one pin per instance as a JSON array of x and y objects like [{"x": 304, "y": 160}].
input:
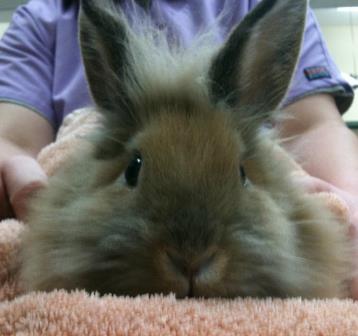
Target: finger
[
  {"x": 5, "y": 207},
  {"x": 311, "y": 184},
  {"x": 317, "y": 185},
  {"x": 23, "y": 176},
  {"x": 354, "y": 289},
  {"x": 352, "y": 208},
  {"x": 354, "y": 282},
  {"x": 20, "y": 200}
]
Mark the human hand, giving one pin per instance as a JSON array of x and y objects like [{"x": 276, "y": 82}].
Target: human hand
[
  {"x": 312, "y": 185},
  {"x": 21, "y": 176},
  {"x": 353, "y": 233},
  {"x": 315, "y": 185}
]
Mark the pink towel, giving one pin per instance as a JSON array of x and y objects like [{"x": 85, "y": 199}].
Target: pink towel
[{"x": 80, "y": 313}]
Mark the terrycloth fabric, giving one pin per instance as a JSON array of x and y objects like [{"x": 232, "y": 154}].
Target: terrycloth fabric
[
  {"x": 60, "y": 313},
  {"x": 79, "y": 313}
]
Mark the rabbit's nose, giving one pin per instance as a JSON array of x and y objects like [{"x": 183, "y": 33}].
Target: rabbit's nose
[
  {"x": 178, "y": 263},
  {"x": 200, "y": 272}
]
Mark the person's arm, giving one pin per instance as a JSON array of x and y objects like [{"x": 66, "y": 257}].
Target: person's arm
[
  {"x": 327, "y": 149},
  {"x": 321, "y": 142},
  {"x": 23, "y": 133}
]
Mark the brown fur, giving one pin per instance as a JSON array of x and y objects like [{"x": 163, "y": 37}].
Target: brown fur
[{"x": 190, "y": 226}]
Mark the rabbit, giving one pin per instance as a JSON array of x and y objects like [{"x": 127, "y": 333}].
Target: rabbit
[{"x": 178, "y": 191}]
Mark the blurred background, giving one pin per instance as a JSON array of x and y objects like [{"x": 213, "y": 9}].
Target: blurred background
[{"x": 339, "y": 23}]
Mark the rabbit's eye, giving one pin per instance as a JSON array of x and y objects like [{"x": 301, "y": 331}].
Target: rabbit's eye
[
  {"x": 133, "y": 169},
  {"x": 244, "y": 179}
]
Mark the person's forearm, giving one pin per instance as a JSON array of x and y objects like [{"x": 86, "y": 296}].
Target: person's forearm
[
  {"x": 330, "y": 152},
  {"x": 7, "y": 147},
  {"x": 320, "y": 142},
  {"x": 23, "y": 134},
  {"x": 22, "y": 131}
]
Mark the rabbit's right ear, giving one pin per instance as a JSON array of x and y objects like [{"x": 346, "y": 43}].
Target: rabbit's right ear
[
  {"x": 253, "y": 70},
  {"x": 104, "y": 45}
]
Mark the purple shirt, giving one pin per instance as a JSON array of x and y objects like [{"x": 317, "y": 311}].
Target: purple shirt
[{"x": 41, "y": 68}]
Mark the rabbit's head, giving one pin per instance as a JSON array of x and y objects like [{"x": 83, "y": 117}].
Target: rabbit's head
[{"x": 181, "y": 194}]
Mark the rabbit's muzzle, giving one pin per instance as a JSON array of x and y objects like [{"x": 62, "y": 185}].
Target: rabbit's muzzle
[{"x": 193, "y": 276}]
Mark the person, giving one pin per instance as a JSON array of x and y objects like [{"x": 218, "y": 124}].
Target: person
[{"x": 42, "y": 80}]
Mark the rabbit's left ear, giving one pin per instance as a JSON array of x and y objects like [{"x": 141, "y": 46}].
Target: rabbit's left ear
[
  {"x": 104, "y": 45},
  {"x": 254, "y": 68}
]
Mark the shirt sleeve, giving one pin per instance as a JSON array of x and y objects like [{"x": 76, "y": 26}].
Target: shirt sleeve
[
  {"x": 26, "y": 58},
  {"x": 317, "y": 72}
]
